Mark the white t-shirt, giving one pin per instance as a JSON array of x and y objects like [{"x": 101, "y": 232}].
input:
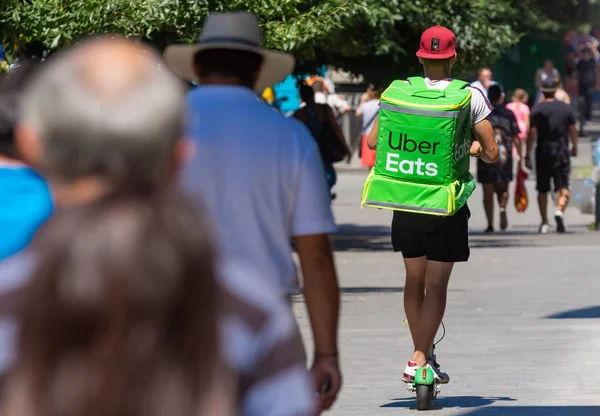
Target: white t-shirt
[
  {"x": 259, "y": 175},
  {"x": 337, "y": 104},
  {"x": 480, "y": 105},
  {"x": 477, "y": 84}
]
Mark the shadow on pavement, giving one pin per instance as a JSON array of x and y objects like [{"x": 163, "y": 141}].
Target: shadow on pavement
[
  {"x": 351, "y": 290},
  {"x": 583, "y": 313},
  {"x": 370, "y": 238},
  {"x": 536, "y": 411},
  {"x": 353, "y": 237},
  {"x": 463, "y": 402},
  {"x": 498, "y": 242},
  {"x": 508, "y": 233}
]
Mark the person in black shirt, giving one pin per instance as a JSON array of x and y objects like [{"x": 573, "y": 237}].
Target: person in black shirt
[
  {"x": 552, "y": 123},
  {"x": 496, "y": 176},
  {"x": 589, "y": 76}
]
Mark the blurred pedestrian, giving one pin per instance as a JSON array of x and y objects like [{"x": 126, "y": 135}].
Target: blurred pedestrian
[
  {"x": 495, "y": 177},
  {"x": 337, "y": 103},
  {"x": 25, "y": 201},
  {"x": 572, "y": 86},
  {"x": 260, "y": 175},
  {"x": 552, "y": 124},
  {"x": 93, "y": 130},
  {"x": 367, "y": 112},
  {"x": 521, "y": 110},
  {"x": 588, "y": 73},
  {"x": 546, "y": 71},
  {"x": 484, "y": 80},
  {"x": 103, "y": 342},
  {"x": 320, "y": 120}
]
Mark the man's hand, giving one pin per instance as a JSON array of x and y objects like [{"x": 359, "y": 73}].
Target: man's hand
[
  {"x": 574, "y": 151},
  {"x": 476, "y": 149},
  {"x": 328, "y": 380},
  {"x": 484, "y": 132},
  {"x": 528, "y": 163}
]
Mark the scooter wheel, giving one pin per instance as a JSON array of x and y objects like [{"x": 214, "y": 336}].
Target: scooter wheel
[{"x": 424, "y": 396}]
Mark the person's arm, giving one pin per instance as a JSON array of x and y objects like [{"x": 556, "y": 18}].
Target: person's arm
[
  {"x": 538, "y": 79},
  {"x": 597, "y": 69},
  {"x": 518, "y": 145},
  {"x": 485, "y": 147},
  {"x": 372, "y": 138},
  {"x": 574, "y": 139},
  {"x": 573, "y": 134},
  {"x": 322, "y": 295},
  {"x": 531, "y": 138},
  {"x": 342, "y": 106},
  {"x": 337, "y": 130},
  {"x": 515, "y": 131},
  {"x": 312, "y": 222},
  {"x": 320, "y": 290}
]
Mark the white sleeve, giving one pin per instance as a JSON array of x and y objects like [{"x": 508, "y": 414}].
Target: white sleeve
[
  {"x": 312, "y": 207},
  {"x": 338, "y": 103},
  {"x": 480, "y": 106}
]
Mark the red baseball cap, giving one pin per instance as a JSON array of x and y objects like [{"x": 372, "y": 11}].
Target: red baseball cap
[{"x": 437, "y": 42}]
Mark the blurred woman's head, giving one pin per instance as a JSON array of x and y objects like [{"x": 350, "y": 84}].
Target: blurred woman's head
[
  {"x": 121, "y": 315},
  {"x": 520, "y": 96},
  {"x": 307, "y": 94},
  {"x": 374, "y": 94}
]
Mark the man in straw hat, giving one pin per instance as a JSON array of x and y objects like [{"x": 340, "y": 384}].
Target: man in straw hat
[{"x": 260, "y": 175}]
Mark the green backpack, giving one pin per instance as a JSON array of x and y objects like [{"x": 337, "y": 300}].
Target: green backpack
[{"x": 423, "y": 143}]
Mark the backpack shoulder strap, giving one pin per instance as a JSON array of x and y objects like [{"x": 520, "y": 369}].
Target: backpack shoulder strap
[
  {"x": 456, "y": 85},
  {"x": 417, "y": 82}
]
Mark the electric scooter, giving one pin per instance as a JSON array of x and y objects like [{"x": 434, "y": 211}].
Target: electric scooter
[{"x": 425, "y": 386}]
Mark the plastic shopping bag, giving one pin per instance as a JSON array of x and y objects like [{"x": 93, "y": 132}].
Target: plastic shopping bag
[{"x": 521, "y": 199}]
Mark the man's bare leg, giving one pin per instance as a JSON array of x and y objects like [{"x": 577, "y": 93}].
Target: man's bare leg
[
  {"x": 414, "y": 292},
  {"x": 488, "y": 204},
  {"x": 432, "y": 308},
  {"x": 563, "y": 196},
  {"x": 501, "y": 190},
  {"x": 543, "y": 204}
]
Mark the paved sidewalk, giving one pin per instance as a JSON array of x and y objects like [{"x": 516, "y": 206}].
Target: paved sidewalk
[{"x": 519, "y": 314}]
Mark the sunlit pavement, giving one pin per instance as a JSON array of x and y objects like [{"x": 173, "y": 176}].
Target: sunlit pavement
[{"x": 523, "y": 316}]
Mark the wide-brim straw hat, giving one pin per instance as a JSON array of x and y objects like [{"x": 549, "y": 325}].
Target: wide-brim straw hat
[{"x": 233, "y": 31}]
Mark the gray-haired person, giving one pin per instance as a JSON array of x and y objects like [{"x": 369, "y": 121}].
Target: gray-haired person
[{"x": 93, "y": 129}]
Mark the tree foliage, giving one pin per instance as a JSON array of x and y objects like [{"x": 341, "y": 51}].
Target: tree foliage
[{"x": 376, "y": 38}]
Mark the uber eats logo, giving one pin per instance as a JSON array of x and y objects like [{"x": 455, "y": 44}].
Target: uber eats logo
[
  {"x": 405, "y": 161},
  {"x": 404, "y": 144},
  {"x": 461, "y": 150}
]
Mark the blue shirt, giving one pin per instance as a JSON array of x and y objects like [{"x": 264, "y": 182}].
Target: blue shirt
[{"x": 25, "y": 204}]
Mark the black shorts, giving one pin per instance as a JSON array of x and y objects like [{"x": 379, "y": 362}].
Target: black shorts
[
  {"x": 444, "y": 239},
  {"x": 492, "y": 173},
  {"x": 556, "y": 168}
]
